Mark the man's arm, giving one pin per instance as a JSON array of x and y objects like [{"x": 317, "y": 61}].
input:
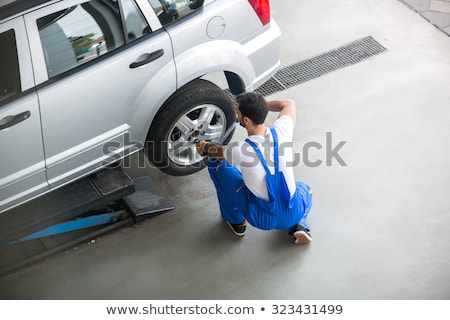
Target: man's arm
[{"x": 284, "y": 107}]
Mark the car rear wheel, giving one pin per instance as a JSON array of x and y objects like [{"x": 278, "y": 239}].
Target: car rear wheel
[{"x": 199, "y": 110}]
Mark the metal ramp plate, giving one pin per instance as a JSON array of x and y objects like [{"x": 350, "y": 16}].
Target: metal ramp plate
[
  {"x": 110, "y": 181},
  {"x": 147, "y": 200}
]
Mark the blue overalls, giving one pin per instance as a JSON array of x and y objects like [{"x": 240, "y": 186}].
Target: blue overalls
[{"x": 237, "y": 202}]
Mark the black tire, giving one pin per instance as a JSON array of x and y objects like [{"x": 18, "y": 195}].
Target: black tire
[{"x": 199, "y": 109}]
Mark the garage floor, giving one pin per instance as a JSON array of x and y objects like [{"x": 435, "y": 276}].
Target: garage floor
[{"x": 380, "y": 223}]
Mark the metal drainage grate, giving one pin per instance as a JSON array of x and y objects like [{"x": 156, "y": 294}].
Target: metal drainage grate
[{"x": 317, "y": 66}]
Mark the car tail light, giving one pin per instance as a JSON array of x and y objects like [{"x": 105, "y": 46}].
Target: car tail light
[{"x": 262, "y": 9}]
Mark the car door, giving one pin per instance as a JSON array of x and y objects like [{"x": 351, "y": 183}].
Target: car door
[
  {"x": 93, "y": 59},
  {"x": 22, "y": 166}
]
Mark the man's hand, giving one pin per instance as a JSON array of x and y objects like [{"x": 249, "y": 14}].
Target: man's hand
[
  {"x": 214, "y": 150},
  {"x": 200, "y": 147}
]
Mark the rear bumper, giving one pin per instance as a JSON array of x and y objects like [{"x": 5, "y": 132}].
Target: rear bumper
[{"x": 264, "y": 54}]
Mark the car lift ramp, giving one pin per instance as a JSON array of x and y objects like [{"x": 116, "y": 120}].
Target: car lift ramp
[{"x": 76, "y": 213}]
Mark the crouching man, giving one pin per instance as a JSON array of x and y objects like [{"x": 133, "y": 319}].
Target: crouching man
[{"x": 255, "y": 183}]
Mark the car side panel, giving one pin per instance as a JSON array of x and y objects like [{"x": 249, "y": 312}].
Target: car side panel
[{"x": 22, "y": 166}]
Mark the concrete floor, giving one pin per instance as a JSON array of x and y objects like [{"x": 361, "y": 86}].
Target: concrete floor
[{"x": 380, "y": 224}]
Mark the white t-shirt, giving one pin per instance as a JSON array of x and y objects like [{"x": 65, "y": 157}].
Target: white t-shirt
[{"x": 242, "y": 155}]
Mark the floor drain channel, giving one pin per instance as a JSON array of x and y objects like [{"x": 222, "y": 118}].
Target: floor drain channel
[{"x": 300, "y": 72}]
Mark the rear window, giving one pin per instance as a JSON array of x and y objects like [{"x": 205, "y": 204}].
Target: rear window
[
  {"x": 82, "y": 33},
  {"x": 172, "y": 10}
]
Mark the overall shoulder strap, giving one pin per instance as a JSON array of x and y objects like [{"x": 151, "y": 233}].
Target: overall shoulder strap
[
  {"x": 275, "y": 152},
  {"x": 275, "y": 149}
]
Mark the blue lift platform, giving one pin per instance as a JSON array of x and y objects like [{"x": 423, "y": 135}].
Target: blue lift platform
[{"x": 76, "y": 213}]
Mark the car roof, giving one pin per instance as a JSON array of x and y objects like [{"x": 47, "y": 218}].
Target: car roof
[{"x": 11, "y": 7}]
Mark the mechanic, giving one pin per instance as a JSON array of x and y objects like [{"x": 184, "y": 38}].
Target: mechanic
[{"x": 254, "y": 179}]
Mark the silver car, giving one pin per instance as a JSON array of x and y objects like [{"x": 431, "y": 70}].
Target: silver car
[{"x": 84, "y": 83}]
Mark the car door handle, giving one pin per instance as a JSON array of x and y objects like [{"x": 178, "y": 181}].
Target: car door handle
[
  {"x": 147, "y": 58},
  {"x": 10, "y": 121}
]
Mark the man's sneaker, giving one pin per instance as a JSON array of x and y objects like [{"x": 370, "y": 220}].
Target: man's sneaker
[
  {"x": 301, "y": 235},
  {"x": 238, "y": 229}
]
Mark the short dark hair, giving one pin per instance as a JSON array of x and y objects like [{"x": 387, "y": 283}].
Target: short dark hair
[{"x": 253, "y": 105}]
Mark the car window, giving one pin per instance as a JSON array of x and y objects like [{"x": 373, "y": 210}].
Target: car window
[
  {"x": 9, "y": 66},
  {"x": 135, "y": 23},
  {"x": 172, "y": 10},
  {"x": 87, "y": 31}
]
